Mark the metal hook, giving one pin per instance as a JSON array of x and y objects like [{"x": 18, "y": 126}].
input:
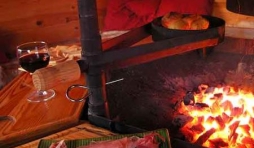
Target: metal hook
[{"x": 84, "y": 87}]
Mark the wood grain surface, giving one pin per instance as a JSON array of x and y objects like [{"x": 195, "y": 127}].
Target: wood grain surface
[
  {"x": 237, "y": 25},
  {"x": 52, "y": 21},
  {"x": 34, "y": 120},
  {"x": 82, "y": 131},
  {"x": 57, "y": 21}
]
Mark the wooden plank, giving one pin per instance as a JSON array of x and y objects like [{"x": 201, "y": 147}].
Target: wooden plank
[
  {"x": 51, "y": 21},
  {"x": 232, "y": 19},
  {"x": 52, "y": 35},
  {"x": 12, "y": 10},
  {"x": 237, "y": 25},
  {"x": 35, "y": 120}
]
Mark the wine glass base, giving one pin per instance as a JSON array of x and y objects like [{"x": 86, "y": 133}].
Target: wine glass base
[{"x": 41, "y": 96}]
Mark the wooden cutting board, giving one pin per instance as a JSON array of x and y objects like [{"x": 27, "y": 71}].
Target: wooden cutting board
[{"x": 35, "y": 120}]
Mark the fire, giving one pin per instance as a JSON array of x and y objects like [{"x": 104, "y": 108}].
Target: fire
[{"x": 221, "y": 117}]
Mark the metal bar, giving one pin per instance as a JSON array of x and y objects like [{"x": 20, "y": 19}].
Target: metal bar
[
  {"x": 114, "y": 126},
  {"x": 161, "y": 54},
  {"x": 127, "y": 53},
  {"x": 127, "y": 39},
  {"x": 92, "y": 47}
]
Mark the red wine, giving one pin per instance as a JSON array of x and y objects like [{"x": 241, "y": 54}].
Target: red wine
[{"x": 32, "y": 62}]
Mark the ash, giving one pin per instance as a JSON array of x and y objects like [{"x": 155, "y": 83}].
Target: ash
[{"x": 148, "y": 96}]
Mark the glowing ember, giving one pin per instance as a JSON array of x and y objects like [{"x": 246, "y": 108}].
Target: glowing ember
[{"x": 226, "y": 121}]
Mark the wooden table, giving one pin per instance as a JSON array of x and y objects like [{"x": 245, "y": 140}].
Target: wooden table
[
  {"x": 82, "y": 131},
  {"x": 35, "y": 120}
]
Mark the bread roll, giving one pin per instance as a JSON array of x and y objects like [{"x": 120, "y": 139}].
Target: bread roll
[
  {"x": 179, "y": 21},
  {"x": 190, "y": 18},
  {"x": 172, "y": 20},
  {"x": 199, "y": 24}
]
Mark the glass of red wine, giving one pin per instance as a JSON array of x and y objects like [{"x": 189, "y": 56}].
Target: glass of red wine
[{"x": 33, "y": 56}]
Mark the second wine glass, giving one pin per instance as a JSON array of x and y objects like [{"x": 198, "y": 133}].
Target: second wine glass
[{"x": 33, "y": 56}]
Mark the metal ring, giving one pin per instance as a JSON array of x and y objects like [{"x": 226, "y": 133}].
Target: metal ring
[{"x": 79, "y": 99}]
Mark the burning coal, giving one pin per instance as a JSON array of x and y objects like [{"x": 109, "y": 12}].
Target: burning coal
[{"x": 220, "y": 116}]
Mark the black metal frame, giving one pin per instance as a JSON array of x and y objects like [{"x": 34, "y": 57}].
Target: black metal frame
[{"x": 95, "y": 59}]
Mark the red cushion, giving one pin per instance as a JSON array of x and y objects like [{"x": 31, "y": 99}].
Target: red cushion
[
  {"x": 125, "y": 14},
  {"x": 186, "y": 6},
  {"x": 129, "y": 14},
  {"x": 143, "y": 7}
]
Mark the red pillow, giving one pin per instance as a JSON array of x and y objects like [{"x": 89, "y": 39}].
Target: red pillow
[
  {"x": 143, "y": 7},
  {"x": 129, "y": 14},
  {"x": 186, "y": 6}
]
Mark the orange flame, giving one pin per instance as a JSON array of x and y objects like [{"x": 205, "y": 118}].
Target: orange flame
[{"x": 227, "y": 122}]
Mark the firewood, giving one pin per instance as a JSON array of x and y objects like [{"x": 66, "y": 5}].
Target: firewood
[
  {"x": 201, "y": 105},
  {"x": 226, "y": 118},
  {"x": 220, "y": 122},
  {"x": 234, "y": 138},
  {"x": 233, "y": 128},
  {"x": 189, "y": 99},
  {"x": 181, "y": 120},
  {"x": 218, "y": 142},
  {"x": 204, "y": 137},
  {"x": 241, "y": 146},
  {"x": 197, "y": 129},
  {"x": 226, "y": 89},
  {"x": 209, "y": 90},
  {"x": 188, "y": 134},
  {"x": 210, "y": 119},
  {"x": 236, "y": 111},
  {"x": 202, "y": 88},
  {"x": 227, "y": 105},
  {"x": 245, "y": 129},
  {"x": 218, "y": 96},
  {"x": 251, "y": 123},
  {"x": 200, "y": 119},
  {"x": 215, "y": 108},
  {"x": 248, "y": 140}
]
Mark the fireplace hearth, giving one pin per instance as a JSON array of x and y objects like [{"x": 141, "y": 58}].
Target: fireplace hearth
[{"x": 148, "y": 96}]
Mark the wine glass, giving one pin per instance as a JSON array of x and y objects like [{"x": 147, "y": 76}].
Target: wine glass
[{"x": 33, "y": 56}]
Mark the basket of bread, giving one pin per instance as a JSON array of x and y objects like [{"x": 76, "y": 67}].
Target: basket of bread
[{"x": 175, "y": 24}]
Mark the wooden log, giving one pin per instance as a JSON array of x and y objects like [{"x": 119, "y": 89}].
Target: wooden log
[
  {"x": 48, "y": 77},
  {"x": 248, "y": 140},
  {"x": 233, "y": 128},
  {"x": 218, "y": 96},
  {"x": 227, "y": 105},
  {"x": 239, "y": 145},
  {"x": 220, "y": 122},
  {"x": 197, "y": 128},
  {"x": 204, "y": 137},
  {"x": 216, "y": 107},
  {"x": 218, "y": 142},
  {"x": 251, "y": 123},
  {"x": 245, "y": 129},
  {"x": 234, "y": 138},
  {"x": 210, "y": 119},
  {"x": 226, "y": 118},
  {"x": 236, "y": 111},
  {"x": 188, "y": 134}
]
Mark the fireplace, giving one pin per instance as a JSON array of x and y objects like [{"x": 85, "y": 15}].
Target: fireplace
[{"x": 149, "y": 95}]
